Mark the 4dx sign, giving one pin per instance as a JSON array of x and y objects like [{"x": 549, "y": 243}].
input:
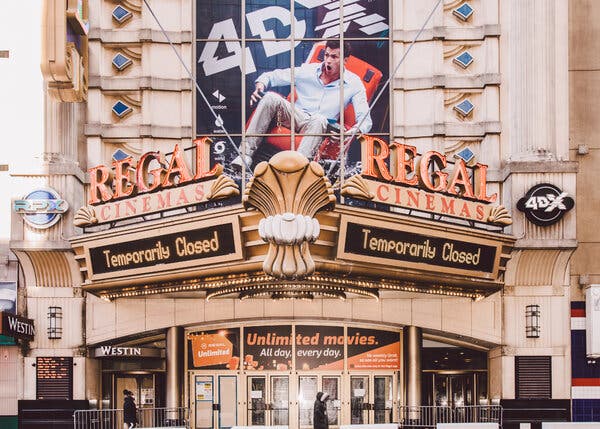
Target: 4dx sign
[{"x": 545, "y": 204}]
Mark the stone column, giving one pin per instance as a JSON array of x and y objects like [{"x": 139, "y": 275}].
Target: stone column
[
  {"x": 414, "y": 342},
  {"x": 174, "y": 349}
]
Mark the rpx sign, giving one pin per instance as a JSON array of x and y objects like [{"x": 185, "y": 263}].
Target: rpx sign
[
  {"x": 41, "y": 208},
  {"x": 545, "y": 204}
]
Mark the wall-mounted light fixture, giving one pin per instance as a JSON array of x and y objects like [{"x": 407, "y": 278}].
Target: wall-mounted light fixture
[
  {"x": 54, "y": 323},
  {"x": 532, "y": 321}
]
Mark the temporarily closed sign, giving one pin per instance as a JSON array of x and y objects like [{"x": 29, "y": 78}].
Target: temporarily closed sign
[
  {"x": 420, "y": 248},
  {"x": 197, "y": 244}
]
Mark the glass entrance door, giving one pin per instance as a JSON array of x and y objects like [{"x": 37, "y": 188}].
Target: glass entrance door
[
  {"x": 268, "y": 400},
  {"x": 142, "y": 387},
  {"x": 454, "y": 390},
  {"x": 308, "y": 386},
  {"x": 371, "y": 399},
  {"x": 214, "y": 400}
]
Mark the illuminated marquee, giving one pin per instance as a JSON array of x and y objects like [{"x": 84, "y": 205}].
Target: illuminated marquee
[
  {"x": 128, "y": 189},
  {"x": 397, "y": 175},
  {"x": 127, "y": 179}
]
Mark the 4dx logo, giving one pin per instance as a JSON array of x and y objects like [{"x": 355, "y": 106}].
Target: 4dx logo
[
  {"x": 545, "y": 204},
  {"x": 548, "y": 202}
]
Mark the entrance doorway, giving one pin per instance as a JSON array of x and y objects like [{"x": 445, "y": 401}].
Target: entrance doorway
[
  {"x": 454, "y": 376},
  {"x": 222, "y": 399},
  {"x": 308, "y": 386},
  {"x": 215, "y": 400},
  {"x": 372, "y": 398},
  {"x": 453, "y": 390},
  {"x": 268, "y": 400},
  {"x": 143, "y": 386}
]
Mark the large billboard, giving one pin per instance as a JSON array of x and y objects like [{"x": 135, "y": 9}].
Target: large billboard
[
  {"x": 303, "y": 347},
  {"x": 252, "y": 56}
]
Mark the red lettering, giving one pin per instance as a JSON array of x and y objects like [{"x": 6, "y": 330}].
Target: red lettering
[
  {"x": 164, "y": 200},
  {"x": 104, "y": 212},
  {"x": 480, "y": 212},
  {"x": 460, "y": 179},
  {"x": 182, "y": 198},
  {"x": 123, "y": 185},
  {"x": 130, "y": 208},
  {"x": 380, "y": 190},
  {"x": 480, "y": 180},
  {"x": 401, "y": 166},
  {"x": 413, "y": 198},
  {"x": 177, "y": 170},
  {"x": 199, "y": 192},
  {"x": 374, "y": 152},
  {"x": 430, "y": 200},
  {"x": 203, "y": 159},
  {"x": 398, "y": 195},
  {"x": 100, "y": 181},
  {"x": 143, "y": 176},
  {"x": 438, "y": 180},
  {"x": 447, "y": 206},
  {"x": 465, "y": 212},
  {"x": 146, "y": 204}
]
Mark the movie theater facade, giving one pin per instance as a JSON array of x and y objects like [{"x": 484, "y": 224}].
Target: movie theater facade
[{"x": 408, "y": 262}]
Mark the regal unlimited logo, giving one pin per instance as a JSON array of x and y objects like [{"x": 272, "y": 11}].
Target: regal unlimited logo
[
  {"x": 41, "y": 208},
  {"x": 545, "y": 204}
]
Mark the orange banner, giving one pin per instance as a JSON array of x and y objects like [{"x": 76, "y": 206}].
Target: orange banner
[
  {"x": 212, "y": 349},
  {"x": 385, "y": 357}
]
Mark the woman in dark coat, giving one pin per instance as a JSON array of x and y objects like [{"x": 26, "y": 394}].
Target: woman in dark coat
[
  {"x": 129, "y": 410},
  {"x": 320, "y": 420}
]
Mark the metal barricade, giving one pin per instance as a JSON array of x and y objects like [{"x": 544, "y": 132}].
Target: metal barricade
[
  {"x": 478, "y": 414},
  {"x": 423, "y": 417},
  {"x": 147, "y": 418},
  {"x": 427, "y": 417}
]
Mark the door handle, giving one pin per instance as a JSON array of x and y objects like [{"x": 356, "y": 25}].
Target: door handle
[{"x": 216, "y": 407}]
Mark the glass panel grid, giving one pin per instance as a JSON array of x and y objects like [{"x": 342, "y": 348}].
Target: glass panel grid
[{"x": 250, "y": 37}]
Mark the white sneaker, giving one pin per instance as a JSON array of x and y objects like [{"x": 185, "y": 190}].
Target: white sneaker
[{"x": 237, "y": 163}]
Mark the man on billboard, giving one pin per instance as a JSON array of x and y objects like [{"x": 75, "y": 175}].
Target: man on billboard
[{"x": 316, "y": 109}]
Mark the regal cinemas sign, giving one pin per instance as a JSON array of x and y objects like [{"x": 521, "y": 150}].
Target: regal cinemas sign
[
  {"x": 392, "y": 174},
  {"x": 397, "y": 175},
  {"x": 130, "y": 188}
]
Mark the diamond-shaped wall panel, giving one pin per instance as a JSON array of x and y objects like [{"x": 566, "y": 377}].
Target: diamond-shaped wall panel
[
  {"x": 121, "y": 109},
  {"x": 466, "y": 155},
  {"x": 464, "y": 60},
  {"x": 465, "y": 108},
  {"x": 121, "y": 62},
  {"x": 463, "y": 12},
  {"x": 120, "y": 14}
]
